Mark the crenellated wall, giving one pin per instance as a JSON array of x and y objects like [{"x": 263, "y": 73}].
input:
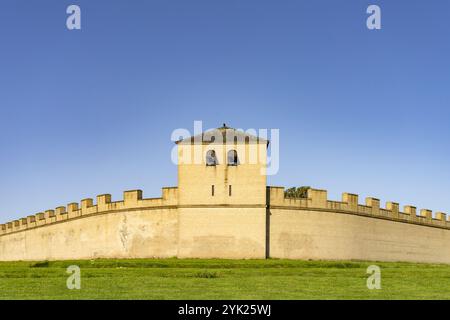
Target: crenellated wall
[
  {"x": 310, "y": 228},
  {"x": 317, "y": 228},
  {"x": 318, "y": 200},
  {"x": 132, "y": 228},
  {"x": 132, "y": 200},
  {"x": 137, "y": 228}
]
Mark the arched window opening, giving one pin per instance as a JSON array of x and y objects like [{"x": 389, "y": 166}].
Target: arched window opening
[
  {"x": 232, "y": 158},
  {"x": 211, "y": 159}
]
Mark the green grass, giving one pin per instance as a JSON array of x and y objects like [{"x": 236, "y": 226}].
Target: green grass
[{"x": 222, "y": 279}]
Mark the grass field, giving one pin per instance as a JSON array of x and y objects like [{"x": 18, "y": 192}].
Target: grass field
[{"x": 222, "y": 279}]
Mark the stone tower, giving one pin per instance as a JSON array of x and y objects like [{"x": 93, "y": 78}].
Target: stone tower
[{"x": 222, "y": 194}]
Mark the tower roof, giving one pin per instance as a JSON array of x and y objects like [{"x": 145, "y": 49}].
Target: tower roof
[{"x": 221, "y": 135}]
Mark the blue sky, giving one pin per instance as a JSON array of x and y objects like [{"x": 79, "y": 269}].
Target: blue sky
[{"x": 90, "y": 112}]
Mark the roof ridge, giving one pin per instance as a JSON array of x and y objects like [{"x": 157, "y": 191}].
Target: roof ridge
[{"x": 224, "y": 131}]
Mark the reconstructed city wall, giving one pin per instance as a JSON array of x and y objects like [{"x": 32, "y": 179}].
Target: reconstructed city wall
[
  {"x": 132, "y": 228},
  {"x": 316, "y": 228},
  {"x": 310, "y": 228},
  {"x": 136, "y": 228}
]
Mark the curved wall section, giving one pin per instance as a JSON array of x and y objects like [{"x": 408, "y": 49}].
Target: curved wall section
[
  {"x": 317, "y": 228},
  {"x": 144, "y": 233},
  {"x": 308, "y": 228},
  {"x": 322, "y": 235}
]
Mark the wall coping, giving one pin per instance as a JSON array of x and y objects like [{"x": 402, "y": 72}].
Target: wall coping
[
  {"x": 317, "y": 200},
  {"x": 132, "y": 201}
]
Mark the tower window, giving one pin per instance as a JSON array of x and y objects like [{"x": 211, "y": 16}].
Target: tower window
[
  {"x": 232, "y": 158},
  {"x": 212, "y": 190},
  {"x": 211, "y": 159},
  {"x": 229, "y": 190}
]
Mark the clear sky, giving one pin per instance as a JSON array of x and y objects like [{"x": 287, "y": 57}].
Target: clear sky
[{"x": 92, "y": 111}]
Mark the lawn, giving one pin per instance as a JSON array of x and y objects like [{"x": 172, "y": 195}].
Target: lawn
[{"x": 222, "y": 279}]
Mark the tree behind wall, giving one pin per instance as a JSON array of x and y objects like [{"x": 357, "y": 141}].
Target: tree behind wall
[{"x": 299, "y": 192}]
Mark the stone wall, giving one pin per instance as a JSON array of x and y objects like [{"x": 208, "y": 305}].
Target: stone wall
[
  {"x": 317, "y": 228},
  {"x": 133, "y": 228},
  {"x": 310, "y": 228}
]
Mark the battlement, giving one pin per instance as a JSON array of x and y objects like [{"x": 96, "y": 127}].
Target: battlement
[
  {"x": 318, "y": 200},
  {"x": 132, "y": 200}
]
